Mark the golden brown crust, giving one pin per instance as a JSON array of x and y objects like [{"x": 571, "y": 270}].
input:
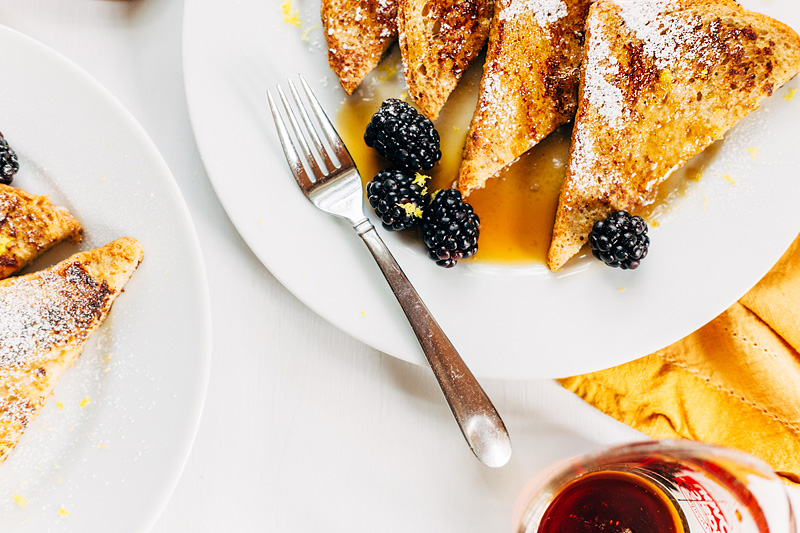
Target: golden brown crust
[
  {"x": 438, "y": 41},
  {"x": 30, "y": 225},
  {"x": 657, "y": 89},
  {"x": 358, "y": 34},
  {"x": 45, "y": 320},
  {"x": 529, "y": 85}
]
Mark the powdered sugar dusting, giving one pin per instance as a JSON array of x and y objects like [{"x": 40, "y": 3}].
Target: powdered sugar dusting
[
  {"x": 601, "y": 67},
  {"x": 45, "y": 310},
  {"x": 582, "y": 157},
  {"x": 493, "y": 92},
  {"x": 664, "y": 36},
  {"x": 53, "y": 308},
  {"x": 545, "y": 11}
]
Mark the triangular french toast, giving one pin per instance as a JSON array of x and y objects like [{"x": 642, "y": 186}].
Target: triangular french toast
[
  {"x": 358, "y": 32},
  {"x": 661, "y": 80},
  {"x": 529, "y": 86},
  {"x": 30, "y": 225},
  {"x": 438, "y": 40},
  {"x": 45, "y": 320}
]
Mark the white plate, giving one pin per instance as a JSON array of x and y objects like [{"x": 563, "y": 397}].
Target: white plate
[
  {"x": 507, "y": 322},
  {"x": 112, "y": 463}
]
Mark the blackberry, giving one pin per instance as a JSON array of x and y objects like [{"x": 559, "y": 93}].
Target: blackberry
[
  {"x": 620, "y": 240},
  {"x": 450, "y": 228},
  {"x": 9, "y": 162},
  {"x": 398, "y": 198},
  {"x": 403, "y": 136}
]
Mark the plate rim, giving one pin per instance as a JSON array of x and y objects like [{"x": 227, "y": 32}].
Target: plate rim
[
  {"x": 281, "y": 272},
  {"x": 173, "y": 474}
]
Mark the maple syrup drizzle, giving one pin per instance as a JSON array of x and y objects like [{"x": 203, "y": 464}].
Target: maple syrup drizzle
[{"x": 517, "y": 207}]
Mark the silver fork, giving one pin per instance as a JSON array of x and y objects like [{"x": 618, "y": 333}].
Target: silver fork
[{"x": 336, "y": 189}]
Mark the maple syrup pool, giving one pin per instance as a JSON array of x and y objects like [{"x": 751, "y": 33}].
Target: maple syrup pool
[{"x": 517, "y": 208}]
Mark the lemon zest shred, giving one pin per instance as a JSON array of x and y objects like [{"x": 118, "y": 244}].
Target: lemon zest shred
[
  {"x": 290, "y": 17},
  {"x": 790, "y": 95},
  {"x": 21, "y": 501},
  {"x": 420, "y": 179},
  {"x": 411, "y": 209},
  {"x": 63, "y": 513},
  {"x": 388, "y": 72},
  {"x": 306, "y": 31}
]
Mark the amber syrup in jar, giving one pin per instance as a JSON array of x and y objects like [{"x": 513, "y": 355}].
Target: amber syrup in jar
[
  {"x": 612, "y": 502},
  {"x": 655, "y": 496}
]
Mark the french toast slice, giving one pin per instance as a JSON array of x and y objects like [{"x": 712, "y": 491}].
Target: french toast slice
[
  {"x": 45, "y": 320},
  {"x": 358, "y": 33},
  {"x": 30, "y": 225},
  {"x": 661, "y": 80},
  {"x": 529, "y": 86},
  {"x": 438, "y": 41}
]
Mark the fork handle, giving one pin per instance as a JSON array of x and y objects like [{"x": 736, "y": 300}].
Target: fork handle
[{"x": 473, "y": 410}]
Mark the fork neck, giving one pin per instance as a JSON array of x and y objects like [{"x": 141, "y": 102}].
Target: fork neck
[{"x": 363, "y": 226}]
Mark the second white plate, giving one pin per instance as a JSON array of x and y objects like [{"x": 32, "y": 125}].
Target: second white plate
[{"x": 108, "y": 448}]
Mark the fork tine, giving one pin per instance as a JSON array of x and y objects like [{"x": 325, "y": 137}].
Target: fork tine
[
  {"x": 301, "y": 139},
  {"x": 333, "y": 138},
  {"x": 292, "y": 158},
  {"x": 312, "y": 132}
]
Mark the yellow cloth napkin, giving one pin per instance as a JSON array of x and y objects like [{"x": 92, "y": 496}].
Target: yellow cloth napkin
[{"x": 734, "y": 382}]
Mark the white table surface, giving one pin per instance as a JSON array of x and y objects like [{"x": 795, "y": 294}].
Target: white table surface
[{"x": 304, "y": 428}]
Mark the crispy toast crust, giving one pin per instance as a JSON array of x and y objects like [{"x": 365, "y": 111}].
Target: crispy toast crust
[
  {"x": 358, "y": 33},
  {"x": 660, "y": 81},
  {"x": 45, "y": 320},
  {"x": 438, "y": 41},
  {"x": 30, "y": 225},
  {"x": 529, "y": 85}
]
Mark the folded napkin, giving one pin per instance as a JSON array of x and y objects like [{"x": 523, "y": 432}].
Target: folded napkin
[{"x": 734, "y": 382}]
